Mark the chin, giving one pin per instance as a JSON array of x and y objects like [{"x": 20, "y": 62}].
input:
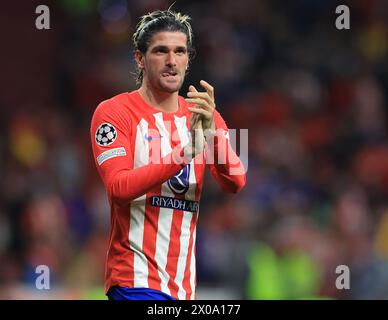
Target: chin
[{"x": 171, "y": 87}]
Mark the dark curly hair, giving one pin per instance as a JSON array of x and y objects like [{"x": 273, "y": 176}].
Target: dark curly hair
[{"x": 158, "y": 21}]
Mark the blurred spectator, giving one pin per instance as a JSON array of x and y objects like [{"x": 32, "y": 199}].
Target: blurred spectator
[{"x": 313, "y": 98}]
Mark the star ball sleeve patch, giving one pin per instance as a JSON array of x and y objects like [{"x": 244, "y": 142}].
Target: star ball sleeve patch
[{"x": 106, "y": 134}]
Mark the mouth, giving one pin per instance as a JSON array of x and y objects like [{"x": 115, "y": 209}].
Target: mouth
[{"x": 170, "y": 73}]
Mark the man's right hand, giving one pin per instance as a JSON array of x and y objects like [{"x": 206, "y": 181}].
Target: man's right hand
[{"x": 197, "y": 142}]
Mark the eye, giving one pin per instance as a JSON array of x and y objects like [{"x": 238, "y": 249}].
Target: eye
[
  {"x": 181, "y": 51},
  {"x": 160, "y": 50}
]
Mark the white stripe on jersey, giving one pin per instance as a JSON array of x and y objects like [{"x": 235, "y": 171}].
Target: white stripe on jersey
[
  {"x": 184, "y": 248},
  {"x": 165, "y": 214},
  {"x": 136, "y": 226},
  {"x": 183, "y": 132},
  {"x": 164, "y": 133},
  {"x": 180, "y": 123},
  {"x": 136, "y": 232}
]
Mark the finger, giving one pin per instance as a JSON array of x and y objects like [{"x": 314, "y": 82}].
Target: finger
[
  {"x": 206, "y": 114},
  {"x": 192, "y": 89},
  {"x": 197, "y": 125},
  {"x": 202, "y": 95},
  {"x": 209, "y": 89},
  {"x": 194, "y": 119},
  {"x": 200, "y": 102}
]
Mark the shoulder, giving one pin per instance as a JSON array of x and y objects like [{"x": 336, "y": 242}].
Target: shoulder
[
  {"x": 219, "y": 121},
  {"x": 114, "y": 104},
  {"x": 120, "y": 105},
  {"x": 113, "y": 110}
]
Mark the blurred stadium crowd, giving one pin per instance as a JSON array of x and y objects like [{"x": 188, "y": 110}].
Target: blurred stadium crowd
[{"x": 313, "y": 98}]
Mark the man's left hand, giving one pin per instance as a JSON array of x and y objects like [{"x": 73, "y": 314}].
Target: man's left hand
[{"x": 205, "y": 104}]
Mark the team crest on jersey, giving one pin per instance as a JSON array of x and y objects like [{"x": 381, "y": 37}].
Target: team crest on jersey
[
  {"x": 179, "y": 184},
  {"x": 105, "y": 134}
]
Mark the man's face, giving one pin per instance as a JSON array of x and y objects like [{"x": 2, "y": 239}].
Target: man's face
[{"x": 165, "y": 62}]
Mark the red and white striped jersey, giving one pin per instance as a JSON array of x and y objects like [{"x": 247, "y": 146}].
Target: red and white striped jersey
[{"x": 154, "y": 198}]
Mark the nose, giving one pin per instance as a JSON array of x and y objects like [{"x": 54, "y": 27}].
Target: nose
[{"x": 171, "y": 59}]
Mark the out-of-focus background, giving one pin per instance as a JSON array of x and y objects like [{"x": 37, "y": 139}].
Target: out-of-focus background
[{"x": 313, "y": 98}]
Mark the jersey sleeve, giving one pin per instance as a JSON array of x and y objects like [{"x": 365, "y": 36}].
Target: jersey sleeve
[
  {"x": 224, "y": 164},
  {"x": 110, "y": 134}
]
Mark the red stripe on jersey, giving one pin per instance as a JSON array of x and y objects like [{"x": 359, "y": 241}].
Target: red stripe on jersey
[
  {"x": 149, "y": 243},
  {"x": 186, "y": 280},
  {"x": 123, "y": 273},
  {"x": 199, "y": 178},
  {"x": 174, "y": 251}
]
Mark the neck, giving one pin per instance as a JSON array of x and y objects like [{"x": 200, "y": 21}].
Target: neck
[{"x": 164, "y": 101}]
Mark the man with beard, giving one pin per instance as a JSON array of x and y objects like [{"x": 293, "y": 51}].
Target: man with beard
[{"x": 151, "y": 147}]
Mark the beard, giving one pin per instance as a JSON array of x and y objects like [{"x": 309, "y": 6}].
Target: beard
[
  {"x": 168, "y": 84},
  {"x": 170, "y": 87}
]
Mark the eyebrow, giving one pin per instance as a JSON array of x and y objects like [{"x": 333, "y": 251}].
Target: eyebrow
[{"x": 183, "y": 48}]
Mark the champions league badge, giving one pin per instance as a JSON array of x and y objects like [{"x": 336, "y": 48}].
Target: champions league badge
[{"x": 105, "y": 134}]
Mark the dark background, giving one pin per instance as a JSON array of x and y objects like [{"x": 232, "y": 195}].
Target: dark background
[{"x": 313, "y": 98}]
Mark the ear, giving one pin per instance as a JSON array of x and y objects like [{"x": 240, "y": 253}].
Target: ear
[{"x": 139, "y": 57}]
